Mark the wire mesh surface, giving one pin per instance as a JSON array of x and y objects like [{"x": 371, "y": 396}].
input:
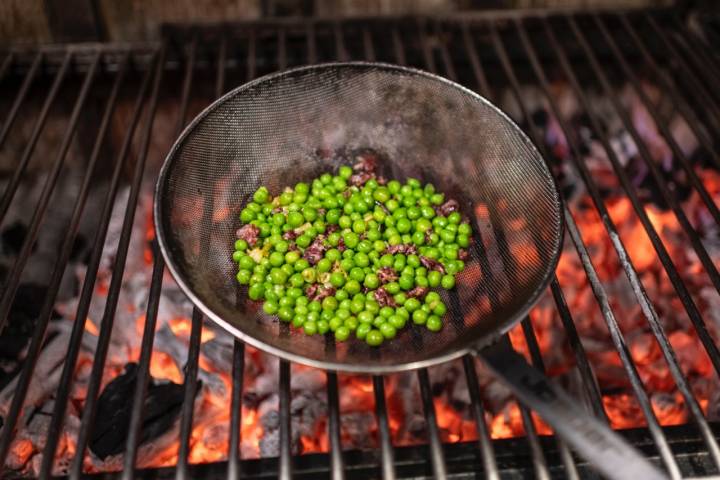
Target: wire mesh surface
[{"x": 485, "y": 52}]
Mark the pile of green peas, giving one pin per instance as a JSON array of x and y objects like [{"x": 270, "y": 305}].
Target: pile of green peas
[{"x": 370, "y": 219}]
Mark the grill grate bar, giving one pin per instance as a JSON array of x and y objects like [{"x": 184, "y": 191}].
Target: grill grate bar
[
  {"x": 680, "y": 286},
  {"x": 238, "y": 368},
  {"x": 685, "y": 70},
  {"x": 651, "y": 315},
  {"x": 588, "y": 377},
  {"x": 191, "y": 368},
  {"x": 630, "y": 368},
  {"x": 598, "y": 290},
  {"x": 5, "y": 67},
  {"x": 337, "y": 466},
  {"x": 368, "y": 48},
  {"x": 86, "y": 295},
  {"x": 30, "y": 148},
  {"x": 285, "y": 472},
  {"x": 677, "y": 151},
  {"x": 143, "y": 372},
  {"x": 118, "y": 269},
  {"x": 589, "y": 382},
  {"x": 663, "y": 255},
  {"x": 11, "y": 284},
  {"x": 58, "y": 268},
  {"x": 55, "y": 426},
  {"x": 679, "y": 102},
  {"x": 387, "y": 456},
  {"x": 436, "y": 452},
  {"x": 537, "y": 362},
  {"x": 190, "y": 391},
  {"x": 538, "y": 456},
  {"x": 487, "y": 452},
  {"x": 705, "y": 63},
  {"x": 340, "y": 50},
  {"x": 20, "y": 97}
]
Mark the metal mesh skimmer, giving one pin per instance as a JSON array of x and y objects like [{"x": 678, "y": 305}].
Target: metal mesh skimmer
[{"x": 269, "y": 132}]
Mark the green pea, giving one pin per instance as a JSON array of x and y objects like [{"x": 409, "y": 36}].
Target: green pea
[
  {"x": 341, "y": 295},
  {"x": 337, "y": 279},
  {"x": 286, "y": 198},
  {"x": 361, "y": 260},
  {"x": 286, "y": 301},
  {"x": 359, "y": 226},
  {"x": 447, "y": 282},
  {"x": 362, "y": 330},
  {"x": 309, "y": 275},
  {"x": 346, "y": 264},
  {"x": 352, "y": 323},
  {"x": 301, "y": 309},
  {"x": 298, "y": 320},
  {"x": 342, "y": 333},
  {"x": 295, "y": 219},
  {"x": 386, "y": 260},
  {"x": 333, "y": 254},
  {"x": 352, "y": 286},
  {"x": 310, "y": 327},
  {"x": 371, "y": 281},
  {"x": 400, "y": 261},
  {"x": 285, "y": 314},
  {"x": 371, "y": 305},
  {"x": 345, "y": 172},
  {"x": 406, "y": 282},
  {"x": 374, "y": 338},
  {"x": 277, "y": 259},
  {"x": 314, "y": 306},
  {"x": 357, "y": 306},
  {"x": 400, "y": 298},
  {"x": 454, "y": 217},
  {"x": 418, "y": 238},
  {"x": 335, "y": 323},
  {"x": 301, "y": 265},
  {"x": 246, "y": 262},
  {"x": 329, "y": 303},
  {"x": 237, "y": 255},
  {"x": 357, "y": 273},
  {"x": 292, "y": 256},
  {"x": 303, "y": 240},
  {"x": 421, "y": 281},
  {"x": 241, "y": 245},
  {"x": 378, "y": 246},
  {"x": 434, "y": 323},
  {"x": 434, "y": 278},
  {"x": 309, "y": 213},
  {"x": 365, "y": 317},
  {"x": 278, "y": 277},
  {"x": 462, "y": 240},
  {"x": 412, "y": 304},
  {"x": 447, "y": 235},
  {"x": 419, "y": 317},
  {"x": 395, "y": 240},
  {"x": 351, "y": 239},
  {"x": 392, "y": 205},
  {"x": 243, "y": 277},
  {"x": 392, "y": 288},
  {"x": 270, "y": 307},
  {"x": 378, "y": 321},
  {"x": 261, "y": 195},
  {"x": 396, "y": 321}
]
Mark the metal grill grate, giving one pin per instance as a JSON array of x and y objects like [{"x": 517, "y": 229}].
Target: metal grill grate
[{"x": 485, "y": 52}]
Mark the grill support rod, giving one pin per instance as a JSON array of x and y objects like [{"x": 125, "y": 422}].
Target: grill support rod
[
  {"x": 108, "y": 318},
  {"x": 387, "y": 456},
  {"x": 56, "y": 277},
  {"x": 20, "y": 97}
]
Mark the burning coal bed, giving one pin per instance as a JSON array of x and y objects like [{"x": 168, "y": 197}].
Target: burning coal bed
[{"x": 260, "y": 419}]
